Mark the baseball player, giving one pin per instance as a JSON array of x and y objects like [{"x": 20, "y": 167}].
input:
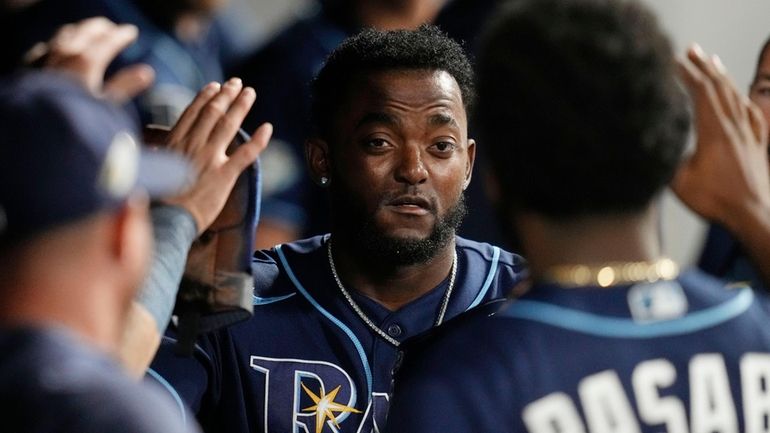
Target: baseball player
[
  {"x": 83, "y": 51},
  {"x": 73, "y": 250},
  {"x": 330, "y": 312},
  {"x": 579, "y": 99},
  {"x": 87, "y": 198}
]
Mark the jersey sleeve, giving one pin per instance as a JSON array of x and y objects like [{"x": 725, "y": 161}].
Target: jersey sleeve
[
  {"x": 131, "y": 409},
  {"x": 191, "y": 381}
]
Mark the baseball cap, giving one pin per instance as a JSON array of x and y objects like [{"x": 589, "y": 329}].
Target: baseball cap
[{"x": 65, "y": 154}]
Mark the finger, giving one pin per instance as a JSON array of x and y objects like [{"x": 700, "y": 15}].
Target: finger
[
  {"x": 250, "y": 151},
  {"x": 210, "y": 114},
  {"x": 759, "y": 126},
  {"x": 77, "y": 38},
  {"x": 129, "y": 82},
  {"x": 736, "y": 99},
  {"x": 36, "y": 56},
  {"x": 692, "y": 76},
  {"x": 709, "y": 108},
  {"x": 710, "y": 71},
  {"x": 228, "y": 125},
  {"x": 190, "y": 114},
  {"x": 704, "y": 99},
  {"x": 732, "y": 95},
  {"x": 63, "y": 36},
  {"x": 105, "y": 46}
]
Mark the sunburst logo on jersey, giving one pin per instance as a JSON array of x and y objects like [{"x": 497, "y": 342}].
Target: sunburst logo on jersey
[{"x": 325, "y": 406}]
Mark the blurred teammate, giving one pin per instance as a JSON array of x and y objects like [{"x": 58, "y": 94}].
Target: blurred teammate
[
  {"x": 74, "y": 247},
  {"x": 579, "y": 101},
  {"x": 83, "y": 51}
]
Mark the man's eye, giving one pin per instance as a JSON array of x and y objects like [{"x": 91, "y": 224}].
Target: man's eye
[
  {"x": 377, "y": 143},
  {"x": 444, "y": 146}
]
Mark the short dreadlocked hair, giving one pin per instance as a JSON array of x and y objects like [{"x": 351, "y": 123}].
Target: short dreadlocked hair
[{"x": 426, "y": 48}]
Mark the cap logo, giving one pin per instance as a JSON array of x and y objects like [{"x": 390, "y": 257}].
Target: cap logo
[{"x": 121, "y": 165}]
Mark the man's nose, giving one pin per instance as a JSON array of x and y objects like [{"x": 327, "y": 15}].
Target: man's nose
[{"x": 411, "y": 168}]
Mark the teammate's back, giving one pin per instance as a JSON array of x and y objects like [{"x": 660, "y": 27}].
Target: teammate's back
[
  {"x": 579, "y": 100},
  {"x": 684, "y": 355}
]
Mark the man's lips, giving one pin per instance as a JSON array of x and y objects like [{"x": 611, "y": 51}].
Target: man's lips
[{"x": 411, "y": 205}]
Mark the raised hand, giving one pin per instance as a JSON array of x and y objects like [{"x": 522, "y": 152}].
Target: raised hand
[
  {"x": 727, "y": 179},
  {"x": 728, "y": 174},
  {"x": 203, "y": 134},
  {"x": 85, "y": 49}
]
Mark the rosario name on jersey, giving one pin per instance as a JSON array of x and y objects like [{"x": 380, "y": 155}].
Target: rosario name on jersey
[
  {"x": 684, "y": 355},
  {"x": 306, "y": 362}
]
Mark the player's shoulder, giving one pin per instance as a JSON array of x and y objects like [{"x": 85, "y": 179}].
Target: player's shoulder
[
  {"x": 49, "y": 378},
  {"x": 705, "y": 290},
  {"x": 481, "y": 252},
  {"x": 707, "y": 293},
  {"x": 276, "y": 270},
  {"x": 492, "y": 269}
]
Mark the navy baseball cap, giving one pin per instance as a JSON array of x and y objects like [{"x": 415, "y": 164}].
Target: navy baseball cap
[{"x": 65, "y": 154}]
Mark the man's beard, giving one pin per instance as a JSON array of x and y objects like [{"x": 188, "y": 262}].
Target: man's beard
[{"x": 361, "y": 230}]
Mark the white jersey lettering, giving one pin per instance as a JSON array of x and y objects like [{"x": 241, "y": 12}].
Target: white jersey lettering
[
  {"x": 605, "y": 404},
  {"x": 554, "y": 413},
  {"x": 755, "y": 383},
  {"x": 711, "y": 406},
  {"x": 647, "y": 379}
]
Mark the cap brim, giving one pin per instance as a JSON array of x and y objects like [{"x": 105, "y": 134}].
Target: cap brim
[{"x": 162, "y": 173}]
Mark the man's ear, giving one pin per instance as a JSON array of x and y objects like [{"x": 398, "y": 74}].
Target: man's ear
[
  {"x": 318, "y": 160},
  {"x": 131, "y": 232},
  {"x": 471, "y": 160}
]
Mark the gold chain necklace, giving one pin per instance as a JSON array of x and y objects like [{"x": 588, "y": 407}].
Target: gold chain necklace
[
  {"x": 611, "y": 274},
  {"x": 367, "y": 320}
]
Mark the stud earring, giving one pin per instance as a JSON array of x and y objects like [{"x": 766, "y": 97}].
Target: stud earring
[{"x": 324, "y": 181}]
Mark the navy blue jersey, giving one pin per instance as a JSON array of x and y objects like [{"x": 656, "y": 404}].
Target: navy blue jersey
[
  {"x": 681, "y": 355},
  {"x": 50, "y": 382},
  {"x": 724, "y": 257},
  {"x": 306, "y": 362}
]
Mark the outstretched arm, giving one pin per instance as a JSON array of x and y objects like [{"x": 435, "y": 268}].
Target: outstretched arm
[
  {"x": 727, "y": 179},
  {"x": 203, "y": 134},
  {"x": 84, "y": 50}
]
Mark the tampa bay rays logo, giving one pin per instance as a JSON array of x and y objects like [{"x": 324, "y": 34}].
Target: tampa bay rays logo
[{"x": 304, "y": 396}]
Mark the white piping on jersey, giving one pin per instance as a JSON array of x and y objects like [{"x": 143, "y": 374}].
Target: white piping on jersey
[
  {"x": 196, "y": 347},
  {"x": 613, "y": 327},
  {"x": 359, "y": 347},
  {"x": 490, "y": 277},
  {"x": 265, "y": 301},
  {"x": 171, "y": 390}
]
